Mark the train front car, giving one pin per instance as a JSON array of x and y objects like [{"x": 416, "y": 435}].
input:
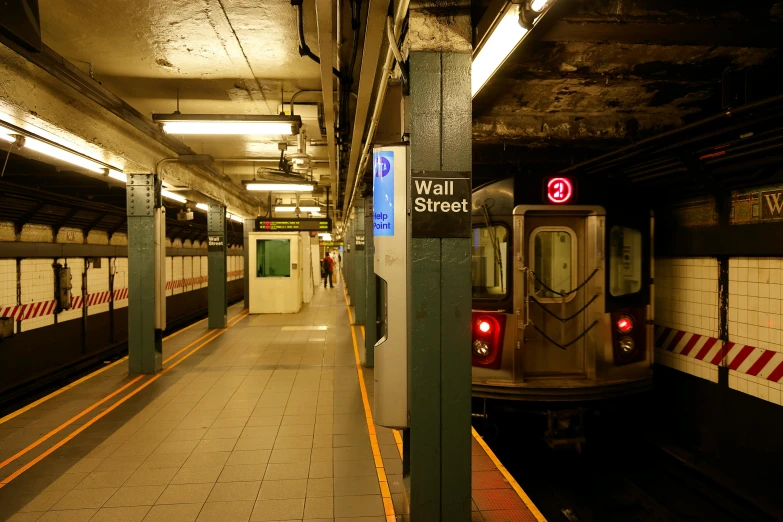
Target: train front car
[{"x": 561, "y": 294}]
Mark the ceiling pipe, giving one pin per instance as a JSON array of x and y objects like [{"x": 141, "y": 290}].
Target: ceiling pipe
[
  {"x": 323, "y": 12},
  {"x": 373, "y": 40},
  {"x": 399, "y": 16}
]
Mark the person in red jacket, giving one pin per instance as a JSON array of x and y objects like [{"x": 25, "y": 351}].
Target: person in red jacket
[{"x": 328, "y": 267}]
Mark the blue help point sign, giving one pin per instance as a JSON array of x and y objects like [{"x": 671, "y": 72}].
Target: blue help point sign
[{"x": 383, "y": 193}]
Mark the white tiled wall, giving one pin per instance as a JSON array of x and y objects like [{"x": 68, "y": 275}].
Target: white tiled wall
[
  {"x": 686, "y": 294},
  {"x": 176, "y": 273},
  {"x": 97, "y": 282},
  {"x": 187, "y": 272},
  {"x": 205, "y": 270},
  {"x": 120, "y": 265},
  {"x": 169, "y": 274},
  {"x": 77, "y": 267},
  {"x": 756, "y": 386},
  {"x": 755, "y": 294},
  {"x": 37, "y": 284}
]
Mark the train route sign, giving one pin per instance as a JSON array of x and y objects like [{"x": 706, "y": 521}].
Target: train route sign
[{"x": 440, "y": 204}]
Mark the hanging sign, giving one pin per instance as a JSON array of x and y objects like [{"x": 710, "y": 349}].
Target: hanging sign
[
  {"x": 293, "y": 225},
  {"x": 440, "y": 204},
  {"x": 330, "y": 243}
]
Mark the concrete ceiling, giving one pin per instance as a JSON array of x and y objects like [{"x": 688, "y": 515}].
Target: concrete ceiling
[
  {"x": 222, "y": 56},
  {"x": 603, "y": 73}
]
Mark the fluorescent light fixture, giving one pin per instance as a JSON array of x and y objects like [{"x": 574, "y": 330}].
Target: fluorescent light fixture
[
  {"x": 172, "y": 196},
  {"x": 63, "y": 155},
  {"x": 202, "y": 206},
  {"x": 232, "y": 217},
  {"x": 325, "y": 237},
  {"x": 119, "y": 176},
  {"x": 279, "y": 187},
  {"x": 292, "y": 208},
  {"x": 231, "y": 124},
  {"x": 503, "y": 39},
  {"x": 6, "y": 137},
  {"x": 538, "y": 5}
]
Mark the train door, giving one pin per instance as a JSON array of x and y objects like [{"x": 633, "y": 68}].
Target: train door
[{"x": 560, "y": 251}]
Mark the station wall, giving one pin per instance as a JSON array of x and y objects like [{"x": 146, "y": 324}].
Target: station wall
[
  {"x": 46, "y": 343},
  {"x": 686, "y": 317}
]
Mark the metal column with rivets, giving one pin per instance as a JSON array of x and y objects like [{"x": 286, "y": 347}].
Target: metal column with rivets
[
  {"x": 248, "y": 227},
  {"x": 370, "y": 313},
  {"x": 359, "y": 265},
  {"x": 217, "y": 304},
  {"x": 439, "y": 61},
  {"x": 144, "y": 346}
]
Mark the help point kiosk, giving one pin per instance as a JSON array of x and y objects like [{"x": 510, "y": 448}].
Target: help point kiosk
[{"x": 390, "y": 235}]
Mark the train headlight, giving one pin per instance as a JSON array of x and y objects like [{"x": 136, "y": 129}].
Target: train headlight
[
  {"x": 626, "y": 344},
  {"x": 480, "y": 348}
]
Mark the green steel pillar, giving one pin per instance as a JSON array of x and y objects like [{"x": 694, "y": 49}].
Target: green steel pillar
[
  {"x": 217, "y": 305},
  {"x": 350, "y": 254},
  {"x": 440, "y": 269},
  {"x": 248, "y": 227},
  {"x": 370, "y": 314},
  {"x": 144, "y": 346},
  {"x": 360, "y": 279}
]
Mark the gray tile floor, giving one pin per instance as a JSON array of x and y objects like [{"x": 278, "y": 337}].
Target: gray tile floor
[{"x": 265, "y": 423}]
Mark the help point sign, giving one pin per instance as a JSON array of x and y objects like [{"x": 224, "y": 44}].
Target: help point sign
[{"x": 383, "y": 193}]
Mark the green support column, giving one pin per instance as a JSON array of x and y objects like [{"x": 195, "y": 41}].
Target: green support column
[
  {"x": 144, "y": 354},
  {"x": 370, "y": 314},
  {"x": 248, "y": 227},
  {"x": 440, "y": 268},
  {"x": 217, "y": 304},
  {"x": 360, "y": 278},
  {"x": 350, "y": 254}
]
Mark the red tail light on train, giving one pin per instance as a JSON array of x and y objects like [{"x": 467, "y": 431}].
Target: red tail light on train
[
  {"x": 487, "y": 347},
  {"x": 628, "y": 342}
]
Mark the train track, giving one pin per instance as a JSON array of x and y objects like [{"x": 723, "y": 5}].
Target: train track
[{"x": 621, "y": 476}]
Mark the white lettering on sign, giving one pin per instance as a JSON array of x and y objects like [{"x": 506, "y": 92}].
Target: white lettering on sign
[
  {"x": 445, "y": 188},
  {"x": 440, "y": 204}
]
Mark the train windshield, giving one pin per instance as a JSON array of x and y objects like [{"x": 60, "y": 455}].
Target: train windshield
[
  {"x": 489, "y": 261},
  {"x": 554, "y": 262},
  {"x": 625, "y": 261}
]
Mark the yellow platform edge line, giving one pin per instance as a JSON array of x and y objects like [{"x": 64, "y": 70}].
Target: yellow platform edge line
[
  {"x": 514, "y": 484},
  {"x": 388, "y": 505},
  {"x": 75, "y": 383}
]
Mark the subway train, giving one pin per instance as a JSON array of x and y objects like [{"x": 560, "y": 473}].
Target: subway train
[{"x": 561, "y": 296}]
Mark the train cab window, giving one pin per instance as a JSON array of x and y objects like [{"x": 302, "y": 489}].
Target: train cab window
[
  {"x": 273, "y": 258},
  {"x": 625, "y": 261},
  {"x": 489, "y": 261},
  {"x": 554, "y": 262}
]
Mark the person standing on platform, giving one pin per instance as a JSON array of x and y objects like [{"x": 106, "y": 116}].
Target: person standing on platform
[{"x": 328, "y": 268}]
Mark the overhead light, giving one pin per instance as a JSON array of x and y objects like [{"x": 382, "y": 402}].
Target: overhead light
[
  {"x": 232, "y": 217},
  {"x": 229, "y": 124},
  {"x": 502, "y": 40},
  {"x": 53, "y": 150},
  {"x": 292, "y": 208},
  {"x": 172, "y": 196},
  {"x": 119, "y": 176},
  {"x": 278, "y": 186},
  {"x": 538, "y": 5},
  {"x": 202, "y": 206}
]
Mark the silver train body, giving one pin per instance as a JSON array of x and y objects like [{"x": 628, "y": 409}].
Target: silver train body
[{"x": 561, "y": 299}]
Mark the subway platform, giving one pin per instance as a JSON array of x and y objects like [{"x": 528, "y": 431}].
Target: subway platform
[{"x": 267, "y": 420}]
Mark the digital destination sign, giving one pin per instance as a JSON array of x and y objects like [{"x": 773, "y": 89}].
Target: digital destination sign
[
  {"x": 331, "y": 243},
  {"x": 293, "y": 225}
]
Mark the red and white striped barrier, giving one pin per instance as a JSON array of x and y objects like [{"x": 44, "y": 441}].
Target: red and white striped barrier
[
  {"x": 742, "y": 358},
  {"x": 44, "y": 308}
]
